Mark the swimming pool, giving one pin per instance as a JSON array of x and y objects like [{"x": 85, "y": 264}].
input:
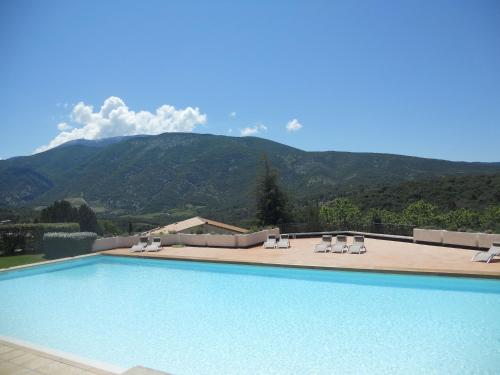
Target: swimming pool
[{"x": 207, "y": 318}]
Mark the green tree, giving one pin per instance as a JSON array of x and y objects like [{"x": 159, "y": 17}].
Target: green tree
[
  {"x": 110, "y": 228},
  {"x": 59, "y": 212},
  {"x": 87, "y": 219},
  {"x": 340, "y": 212},
  {"x": 461, "y": 219},
  {"x": 130, "y": 228},
  {"x": 490, "y": 219},
  {"x": 271, "y": 200},
  {"x": 420, "y": 214}
]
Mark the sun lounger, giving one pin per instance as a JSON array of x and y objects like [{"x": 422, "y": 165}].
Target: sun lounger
[
  {"x": 487, "y": 256},
  {"x": 325, "y": 245},
  {"x": 143, "y": 242},
  {"x": 340, "y": 245},
  {"x": 270, "y": 242},
  {"x": 358, "y": 246},
  {"x": 155, "y": 245},
  {"x": 284, "y": 242}
]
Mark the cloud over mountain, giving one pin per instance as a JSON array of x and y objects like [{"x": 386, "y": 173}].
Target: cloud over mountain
[
  {"x": 115, "y": 119},
  {"x": 253, "y": 130},
  {"x": 293, "y": 125}
]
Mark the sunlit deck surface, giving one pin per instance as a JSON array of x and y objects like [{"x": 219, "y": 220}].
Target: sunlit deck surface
[
  {"x": 17, "y": 359},
  {"x": 381, "y": 255}
]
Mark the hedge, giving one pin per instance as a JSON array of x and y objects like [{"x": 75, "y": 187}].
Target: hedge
[
  {"x": 60, "y": 245},
  {"x": 46, "y": 227},
  {"x": 30, "y": 236}
]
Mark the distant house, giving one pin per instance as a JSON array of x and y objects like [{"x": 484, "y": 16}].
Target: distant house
[{"x": 198, "y": 225}]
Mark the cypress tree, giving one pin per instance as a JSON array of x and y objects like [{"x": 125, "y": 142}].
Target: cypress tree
[
  {"x": 87, "y": 219},
  {"x": 271, "y": 200}
]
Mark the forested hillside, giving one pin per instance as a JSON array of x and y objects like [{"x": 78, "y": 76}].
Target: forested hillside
[
  {"x": 216, "y": 175},
  {"x": 475, "y": 192}
]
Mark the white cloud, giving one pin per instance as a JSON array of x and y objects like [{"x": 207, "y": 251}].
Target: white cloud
[
  {"x": 253, "y": 130},
  {"x": 293, "y": 125},
  {"x": 115, "y": 119},
  {"x": 232, "y": 114},
  {"x": 229, "y": 131},
  {"x": 62, "y": 126}
]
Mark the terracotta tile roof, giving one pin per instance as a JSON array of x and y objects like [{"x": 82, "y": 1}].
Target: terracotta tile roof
[{"x": 194, "y": 222}]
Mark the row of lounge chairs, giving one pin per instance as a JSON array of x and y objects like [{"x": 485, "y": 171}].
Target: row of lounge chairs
[
  {"x": 340, "y": 245},
  {"x": 145, "y": 245},
  {"x": 281, "y": 242},
  {"x": 487, "y": 256}
]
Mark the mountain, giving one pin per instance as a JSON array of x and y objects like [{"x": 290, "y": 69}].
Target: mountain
[
  {"x": 144, "y": 174},
  {"x": 101, "y": 142}
]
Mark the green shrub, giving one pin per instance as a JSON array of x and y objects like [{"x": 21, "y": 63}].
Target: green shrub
[
  {"x": 60, "y": 245},
  {"x": 11, "y": 241},
  {"x": 340, "y": 212},
  {"x": 29, "y": 237}
]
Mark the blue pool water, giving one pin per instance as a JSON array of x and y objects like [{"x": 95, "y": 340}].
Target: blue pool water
[{"x": 205, "y": 318}]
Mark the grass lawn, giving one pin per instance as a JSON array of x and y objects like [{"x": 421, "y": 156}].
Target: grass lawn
[{"x": 17, "y": 260}]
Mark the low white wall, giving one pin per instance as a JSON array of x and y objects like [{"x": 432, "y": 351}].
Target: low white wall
[
  {"x": 104, "y": 244},
  {"x": 428, "y": 235},
  {"x": 221, "y": 240},
  {"x": 485, "y": 240},
  {"x": 169, "y": 239},
  {"x": 460, "y": 238},
  {"x": 482, "y": 240},
  {"x": 251, "y": 239},
  {"x": 109, "y": 243},
  {"x": 193, "y": 239},
  {"x": 211, "y": 240}
]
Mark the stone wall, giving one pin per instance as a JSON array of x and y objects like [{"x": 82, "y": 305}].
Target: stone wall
[
  {"x": 210, "y": 240},
  {"x": 462, "y": 239},
  {"x": 114, "y": 242}
]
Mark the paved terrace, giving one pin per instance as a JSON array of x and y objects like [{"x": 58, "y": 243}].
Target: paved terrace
[
  {"x": 381, "y": 255},
  {"x": 16, "y": 359},
  {"x": 22, "y": 360}
]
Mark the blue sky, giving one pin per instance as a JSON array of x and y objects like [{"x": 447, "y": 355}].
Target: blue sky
[{"x": 408, "y": 77}]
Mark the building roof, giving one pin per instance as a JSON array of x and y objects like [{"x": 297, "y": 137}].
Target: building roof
[{"x": 194, "y": 222}]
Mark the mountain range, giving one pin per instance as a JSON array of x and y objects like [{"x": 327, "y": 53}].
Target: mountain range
[{"x": 142, "y": 174}]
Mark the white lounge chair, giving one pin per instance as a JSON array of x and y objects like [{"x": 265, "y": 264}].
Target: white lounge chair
[
  {"x": 155, "y": 245},
  {"x": 358, "y": 246},
  {"x": 284, "y": 242},
  {"x": 487, "y": 256},
  {"x": 325, "y": 245},
  {"x": 143, "y": 242},
  {"x": 340, "y": 245},
  {"x": 270, "y": 242}
]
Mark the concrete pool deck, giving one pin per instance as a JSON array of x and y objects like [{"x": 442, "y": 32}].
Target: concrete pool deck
[
  {"x": 24, "y": 359},
  {"x": 19, "y": 359},
  {"x": 381, "y": 256}
]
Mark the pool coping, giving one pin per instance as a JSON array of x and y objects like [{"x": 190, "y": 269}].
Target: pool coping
[
  {"x": 64, "y": 357},
  {"x": 45, "y": 262},
  {"x": 401, "y": 271},
  {"x": 412, "y": 271}
]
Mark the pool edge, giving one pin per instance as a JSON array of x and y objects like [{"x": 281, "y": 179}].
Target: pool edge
[
  {"x": 56, "y": 354},
  {"x": 47, "y": 262},
  {"x": 327, "y": 268}
]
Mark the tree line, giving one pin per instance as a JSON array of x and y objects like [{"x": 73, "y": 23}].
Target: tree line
[
  {"x": 63, "y": 212},
  {"x": 422, "y": 214},
  {"x": 275, "y": 208}
]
